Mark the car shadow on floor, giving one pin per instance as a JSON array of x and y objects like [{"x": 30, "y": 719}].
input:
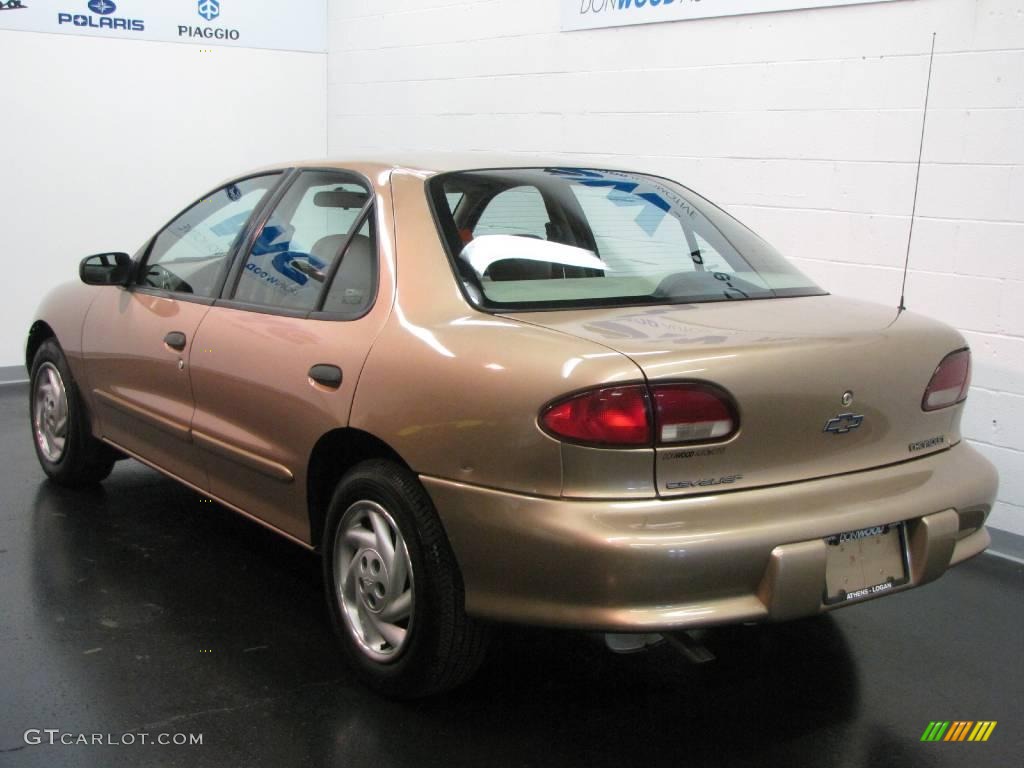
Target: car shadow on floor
[{"x": 206, "y": 620}]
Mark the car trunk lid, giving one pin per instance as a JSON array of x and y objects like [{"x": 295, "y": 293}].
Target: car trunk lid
[{"x": 824, "y": 385}]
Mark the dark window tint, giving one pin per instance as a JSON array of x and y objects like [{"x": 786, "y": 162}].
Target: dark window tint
[
  {"x": 296, "y": 252},
  {"x": 551, "y": 237},
  {"x": 191, "y": 254}
]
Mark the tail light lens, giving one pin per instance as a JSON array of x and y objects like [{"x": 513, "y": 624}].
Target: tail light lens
[
  {"x": 693, "y": 413},
  {"x": 950, "y": 381},
  {"x": 622, "y": 416},
  {"x": 616, "y": 416}
]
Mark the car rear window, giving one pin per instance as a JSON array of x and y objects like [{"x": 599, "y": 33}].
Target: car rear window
[{"x": 546, "y": 238}]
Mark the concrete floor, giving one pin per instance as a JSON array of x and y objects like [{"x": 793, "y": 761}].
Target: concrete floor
[{"x": 139, "y": 607}]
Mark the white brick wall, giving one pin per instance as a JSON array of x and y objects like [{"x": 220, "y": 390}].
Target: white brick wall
[
  {"x": 99, "y": 162},
  {"x": 804, "y": 124}
]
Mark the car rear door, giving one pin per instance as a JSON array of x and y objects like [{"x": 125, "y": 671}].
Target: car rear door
[
  {"x": 138, "y": 341},
  {"x": 276, "y": 360}
]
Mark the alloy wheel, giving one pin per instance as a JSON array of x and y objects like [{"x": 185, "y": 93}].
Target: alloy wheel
[
  {"x": 373, "y": 580},
  {"x": 50, "y": 413}
]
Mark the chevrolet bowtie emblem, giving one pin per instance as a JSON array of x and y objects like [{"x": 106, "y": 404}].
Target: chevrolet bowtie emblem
[{"x": 843, "y": 423}]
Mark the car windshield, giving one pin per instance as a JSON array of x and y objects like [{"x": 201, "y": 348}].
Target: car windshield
[{"x": 548, "y": 238}]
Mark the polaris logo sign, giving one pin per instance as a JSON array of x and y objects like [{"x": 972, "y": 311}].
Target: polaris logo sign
[
  {"x": 593, "y": 14},
  {"x": 292, "y": 25},
  {"x": 104, "y": 20}
]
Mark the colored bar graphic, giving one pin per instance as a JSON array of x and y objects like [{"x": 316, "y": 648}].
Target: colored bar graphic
[
  {"x": 983, "y": 730},
  {"x": 958, "y": 730},
  {"x": 935, "y": 730}
]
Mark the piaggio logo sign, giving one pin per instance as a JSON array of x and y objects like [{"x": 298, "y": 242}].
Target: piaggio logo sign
[
  {"x": 208, "y": 10},
  {"x": 104, "y": 18},
  {"x": 958, "y": 730}
]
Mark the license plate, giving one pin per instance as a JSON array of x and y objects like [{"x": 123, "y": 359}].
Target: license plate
[{"x": 863, "y": 563}]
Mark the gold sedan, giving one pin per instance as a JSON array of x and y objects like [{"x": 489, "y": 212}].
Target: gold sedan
[{"x": 562, "y": 396}]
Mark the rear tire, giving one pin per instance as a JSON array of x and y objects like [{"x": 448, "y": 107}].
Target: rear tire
[
  {"x": 400, "y": 617},
  {"x": 65, "y": 446}
]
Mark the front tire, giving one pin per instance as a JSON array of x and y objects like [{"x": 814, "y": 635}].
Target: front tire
[
  {"x": 65, "y": 446},
  {"x": 394, "y": 591}
]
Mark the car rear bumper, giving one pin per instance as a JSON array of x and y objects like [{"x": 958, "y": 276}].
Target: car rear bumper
[{"x": 663, "y": 564}]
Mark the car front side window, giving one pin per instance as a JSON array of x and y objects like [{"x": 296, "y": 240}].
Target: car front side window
[{"x": 190, "y": 255}]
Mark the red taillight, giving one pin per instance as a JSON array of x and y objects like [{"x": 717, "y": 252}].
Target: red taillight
[
  {"x": 621, "y": 416},
  {"x": 693, "y": 413},
  {"x": 610, "y": 416},
  {"x": 950, "y": 381}
]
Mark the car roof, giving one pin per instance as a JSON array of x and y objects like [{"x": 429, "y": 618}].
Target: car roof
[{"x": 430, "y": 163}]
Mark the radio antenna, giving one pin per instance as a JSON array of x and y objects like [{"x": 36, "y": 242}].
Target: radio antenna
[{"x": 917, "y": 177}]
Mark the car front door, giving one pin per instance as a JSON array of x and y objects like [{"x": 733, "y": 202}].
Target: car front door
[
  {"x": 138, "y": 341},
  {"x": 277, "y": 359}
]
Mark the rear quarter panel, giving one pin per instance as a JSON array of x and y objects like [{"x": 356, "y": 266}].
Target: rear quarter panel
[{"x": 457, "y": 392}]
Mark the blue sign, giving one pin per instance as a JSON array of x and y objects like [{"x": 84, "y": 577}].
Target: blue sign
[
  {"x": 102, "y": 7},
  {"x": 209, "y": 9},
  {"x": 592, "y": 14}
]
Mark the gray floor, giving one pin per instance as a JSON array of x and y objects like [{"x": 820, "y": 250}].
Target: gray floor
[
  {"x": 137, "y": 607},
  {"x": 12, "y": 373}
]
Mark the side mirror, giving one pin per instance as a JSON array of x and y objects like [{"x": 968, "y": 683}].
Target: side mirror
[{"x": 105, "y": 269}]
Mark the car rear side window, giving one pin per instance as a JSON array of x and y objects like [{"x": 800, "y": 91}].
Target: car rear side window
[
  {"x": 320, "y": 232},
  {"x": 190, "y": 255},
  {"x": 546, "y": 238}
]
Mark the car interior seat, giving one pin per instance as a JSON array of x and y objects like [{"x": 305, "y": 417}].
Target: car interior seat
[{"x": 353, "y": 287}]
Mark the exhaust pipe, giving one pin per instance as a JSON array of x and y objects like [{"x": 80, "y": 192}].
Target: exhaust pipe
[
  {"x": 630, "y": 643},
  {"x": 686, "y": 643}
]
